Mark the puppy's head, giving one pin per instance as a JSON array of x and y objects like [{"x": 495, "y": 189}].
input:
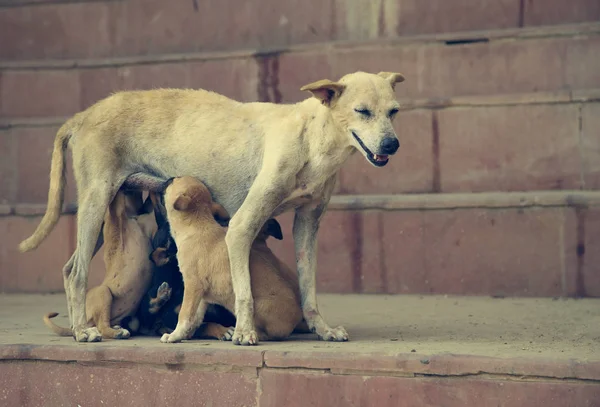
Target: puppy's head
[
  {"x": 363, "y": 105},
  {"x": 187, "y": 194},
  {"x": 162, "y": 256},
  {"x": 164, "y": 250}
]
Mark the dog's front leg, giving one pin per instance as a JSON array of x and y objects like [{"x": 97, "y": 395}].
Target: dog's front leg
[
  {"x": 191, "y": 315},
  {"x": 306, "y": 226},
  {"x": 262, "y": 200}
]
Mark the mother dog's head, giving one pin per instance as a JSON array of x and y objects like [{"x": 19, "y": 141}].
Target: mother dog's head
[{"x": 363, "y": 105}]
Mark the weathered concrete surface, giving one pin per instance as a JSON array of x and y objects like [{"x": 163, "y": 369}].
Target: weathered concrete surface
[
  {"x": 477, "y": 326},
  {"x": 405, "y": 351}
]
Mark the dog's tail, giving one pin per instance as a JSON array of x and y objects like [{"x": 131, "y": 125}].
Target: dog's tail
[
  {"x": 56, "y": 189},
  {"x": 59, "y": 330}
]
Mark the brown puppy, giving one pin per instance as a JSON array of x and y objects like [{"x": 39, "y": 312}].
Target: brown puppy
[
  {"x": 204, "y": 264},
  {"x": 129, "y": 225}
]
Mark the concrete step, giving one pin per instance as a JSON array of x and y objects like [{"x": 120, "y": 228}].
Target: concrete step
[
  {"x": 450, "y": 351},
  {"x": 539, "y": 141},
  {"x": 499, "y": 244},
  {"x": 463, "y": 64},
  {"x": 40, "y": 29}
]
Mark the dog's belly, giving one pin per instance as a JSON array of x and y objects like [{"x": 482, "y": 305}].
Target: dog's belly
[
  {"x": 227, "y": 162},
  {"x": 133, "y": 273},
  {"x": 125, "y": 306},
  {"x": 128, "y": 293},
  {"x": 228, "y": 184}
]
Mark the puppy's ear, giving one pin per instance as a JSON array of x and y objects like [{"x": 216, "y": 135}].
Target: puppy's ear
[
  {"x": 182, "y": 203},
  {"x": 159, "y": 256},
  {"x": 274, "y": 229},
  {"x": 220, "y": 214},
  {"x": 325, "y": 90},
  {"x": 392, "y": 78}
]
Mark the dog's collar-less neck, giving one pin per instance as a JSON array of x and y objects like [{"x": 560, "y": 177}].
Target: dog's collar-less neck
[{"x": 323, "y": 127}]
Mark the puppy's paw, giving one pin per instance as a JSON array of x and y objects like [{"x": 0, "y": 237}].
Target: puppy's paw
[
  {"x": 121, "y": 332},
  {"x": 163, "y": 294},
  {"x": 244, "y": 338},
  {"x": 338, "y": 334},
  {"x": 87, "y": 334},
  {"x": 228, "y": 334},
  {"x": 171, "y": 338}
]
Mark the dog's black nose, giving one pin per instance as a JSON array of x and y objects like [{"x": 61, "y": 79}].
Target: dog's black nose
[{"x": 389, "y": 145}]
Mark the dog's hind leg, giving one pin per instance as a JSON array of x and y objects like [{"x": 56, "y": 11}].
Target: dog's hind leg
[
  {"x": 100, "y": 299},
  {"x": 163, "y": 294},
  {"x": 94, "y": 199},
  {"x": 66, "y": 271}
]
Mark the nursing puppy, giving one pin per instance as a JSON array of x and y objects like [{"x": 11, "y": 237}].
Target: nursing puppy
[
  {"x": 129, "y": 225},
  {"x": 204, "y": 264},
  {"x": 159, "y": 309}
]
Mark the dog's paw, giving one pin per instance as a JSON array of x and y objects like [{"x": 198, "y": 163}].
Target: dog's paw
[
  {"x": 170, "y": 338},
  {"x": 87, "y": 334},
  {"x": 338, "y": 334},
  {"x": 121, "y": 333},
  {"x": 163, "y": 293},
  {"x": 244, "y": 338},
  {"x": 228, "y": 334}
]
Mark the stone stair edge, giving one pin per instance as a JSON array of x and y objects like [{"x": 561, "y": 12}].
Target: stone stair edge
[
  {"x": 404, "y": 364},
  {"x": 407, "y": 202},
  {"x": 439, "y": 39}
]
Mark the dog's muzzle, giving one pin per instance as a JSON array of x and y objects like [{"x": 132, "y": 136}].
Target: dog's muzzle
[{"x": 378, "y": 160}]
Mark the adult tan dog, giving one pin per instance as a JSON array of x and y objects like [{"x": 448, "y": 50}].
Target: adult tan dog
[
  {"x": 204, "y": 263},
  {"x": 129, "y": 225},
  {"x": 257, "y": 159}
]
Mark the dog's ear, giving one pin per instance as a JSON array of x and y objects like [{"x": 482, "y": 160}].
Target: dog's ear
[
  {"x": 220, "y": 214},
  {"x": 160, "y": 257},
  {"x": 182, "y": 203},
  {"x": 274, "y": 229},
  {"x": 325, "y": 90},
  {"x": 392, "y": 78}
]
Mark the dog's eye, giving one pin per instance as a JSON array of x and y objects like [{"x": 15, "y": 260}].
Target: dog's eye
[
  {"x": 392, "y": 112},
  {"x": 364, "y": 112}
]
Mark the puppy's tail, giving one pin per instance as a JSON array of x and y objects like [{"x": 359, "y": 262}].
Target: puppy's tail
[
  {"x": 56, "y": 190},
  {"x": 59, "y": 330}
]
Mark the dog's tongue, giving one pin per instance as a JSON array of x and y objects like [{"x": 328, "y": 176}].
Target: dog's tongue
[{"x": 378, "y": 157}]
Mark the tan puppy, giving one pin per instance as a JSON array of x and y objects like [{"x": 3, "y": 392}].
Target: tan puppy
[
  {"x": 204, "y": 264},
  {"x": 258, "y": 160},
  {"x": 129, "y": 225}
]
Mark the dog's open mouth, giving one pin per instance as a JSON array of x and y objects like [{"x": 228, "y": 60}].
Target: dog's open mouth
[{"x": 378, "y": 160}]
